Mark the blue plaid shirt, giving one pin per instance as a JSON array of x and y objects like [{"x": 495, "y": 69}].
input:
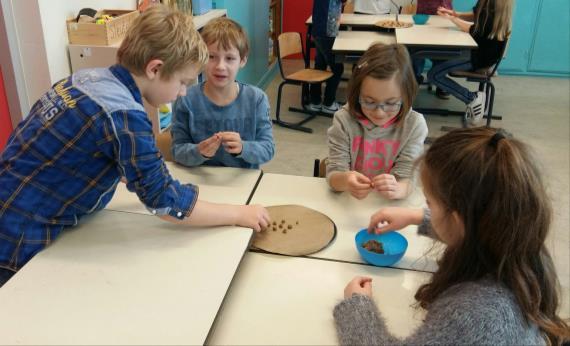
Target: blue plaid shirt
[{"x": 65, "y": 159}]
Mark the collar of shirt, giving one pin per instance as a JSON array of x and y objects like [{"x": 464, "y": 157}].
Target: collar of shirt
[
  {"x": 370, "y": 125},
  {"x": 125, "y": 77}
]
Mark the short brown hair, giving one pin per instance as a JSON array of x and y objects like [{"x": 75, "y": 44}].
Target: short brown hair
[
  {"x": 164, "y": 34},
  {"x": 227, "y": 33},
  {"x": 382, "y": 61}
]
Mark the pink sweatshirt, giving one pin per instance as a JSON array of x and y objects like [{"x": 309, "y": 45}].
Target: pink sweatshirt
[{"x": 359, "y": 145}]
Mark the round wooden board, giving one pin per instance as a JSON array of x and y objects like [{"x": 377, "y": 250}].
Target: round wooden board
[{"x": 295, "y": 231}]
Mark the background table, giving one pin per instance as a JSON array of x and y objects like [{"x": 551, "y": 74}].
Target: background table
[
  {"x": 357, "y": 42},
  {"x": 277, "y": 300},
  {"x": 123, "y": 278},
  {"x": 435, "y": 37},
  {"x": 216, "y": 184},
  {"x": 349, "y": 215},
  {"x": 368, "y": 21}
]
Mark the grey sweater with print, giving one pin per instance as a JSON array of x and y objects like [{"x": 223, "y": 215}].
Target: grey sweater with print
[
  {"x": 358, "y": 145},
  {"x": 483, "y": 312}
]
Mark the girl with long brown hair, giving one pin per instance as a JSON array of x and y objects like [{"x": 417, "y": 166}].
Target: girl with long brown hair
[{"x": 496, "y": 282}]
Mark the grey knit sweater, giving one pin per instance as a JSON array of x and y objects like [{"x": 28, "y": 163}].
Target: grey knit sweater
[
  {"x": 480, "y": 313},
  {"x": 484, "y": 312}
]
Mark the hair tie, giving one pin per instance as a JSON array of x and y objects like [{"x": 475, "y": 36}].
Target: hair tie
[
  {"x": 494, "y": 141},
  {"x": 364, "y": 63}
]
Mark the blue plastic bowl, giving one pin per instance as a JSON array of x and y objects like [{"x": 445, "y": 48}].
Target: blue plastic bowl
[
  {"x": 420, "y": 18},
  {"x": 394, "y": 245}
]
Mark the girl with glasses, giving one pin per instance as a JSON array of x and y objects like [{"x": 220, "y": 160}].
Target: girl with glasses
[{"x": 376, "y": 137}]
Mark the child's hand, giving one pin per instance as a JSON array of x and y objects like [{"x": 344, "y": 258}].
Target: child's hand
[
  {"x": 232, "y": 142},
  {"x": 391, "y": 218},
  {"x": 387, "y": 186},
  {"x": 359, "y": 285},
  {"x": 254, "y": 216},
  {"x": 209, "y": 146},
  {"x": 358, "y": 184},
  {"x": 445, "y": 12}
]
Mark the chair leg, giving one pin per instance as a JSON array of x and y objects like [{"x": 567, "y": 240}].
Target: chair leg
[
  {"x": 278, "y": 109},
  {"x": 293, "y": 126},
  {"x": 491, "y": 100},
  {"x": 316, "y": 168}
]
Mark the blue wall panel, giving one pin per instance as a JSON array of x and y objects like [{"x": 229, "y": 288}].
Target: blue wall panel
[
  {"x": 518, "y": 50},
  {"x": 253, "y": 15},
  {"x": 551, "y": 48},
  {"x": 540, "y": 42}
]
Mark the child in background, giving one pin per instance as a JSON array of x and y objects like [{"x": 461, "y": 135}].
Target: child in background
[
  {"x": 375, "y": 139},
  {"x": 490, "y": 26},
  {"x": 372, "y": 6},
  {"x": 430, "y": 7},
  {"x": 221, "y": 122},
  {"x": 326, "y": 22},
  {"x": 65, "y": 159},
  {"x": 496, "y": 282}
]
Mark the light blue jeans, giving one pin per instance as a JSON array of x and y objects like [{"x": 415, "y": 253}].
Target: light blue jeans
[{"x": 438, "y": 75}]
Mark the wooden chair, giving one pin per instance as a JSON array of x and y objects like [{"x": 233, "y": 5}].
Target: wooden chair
[
  {"x": 484, "y": 78},
  {"x": 164, "y": 144},
  {"x": 289, "y": 43},
  {"x": 348, "y": 7},
  {"x": 320, "y": 168}
]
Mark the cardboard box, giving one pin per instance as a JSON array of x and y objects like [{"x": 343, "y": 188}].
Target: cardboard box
[{"x": 109, "y": 33}]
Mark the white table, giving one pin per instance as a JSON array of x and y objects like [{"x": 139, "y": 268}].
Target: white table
[
  {"x": 438, "y": 38},
  {"x": 216, "y": 184},
  {"x": 203, "y": 19},
  {"x": 277, "y": 300},
  {"x": 349, "y": 215},
  {"x": 369, "y": 21},
  {"x": 435, "y": 37},
  {"x": 348, "y": 42},
  {"x": 123, "y": 279}
]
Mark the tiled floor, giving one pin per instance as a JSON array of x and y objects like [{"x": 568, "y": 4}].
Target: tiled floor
[{"x": 536, "y": 110}]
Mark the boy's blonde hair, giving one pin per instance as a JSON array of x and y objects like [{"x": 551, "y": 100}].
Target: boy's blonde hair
[
  {"x": 164, "y": 34},
  {"x": 382, "y": 61},
  {"x": 227, "y": 34},
  {"x": 501, "y": 26}
]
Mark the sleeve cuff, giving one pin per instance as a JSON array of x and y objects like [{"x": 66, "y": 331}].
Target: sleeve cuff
[{"x": 185, "y": 200}]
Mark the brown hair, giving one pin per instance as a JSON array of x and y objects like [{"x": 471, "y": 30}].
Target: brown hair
[
  {"x": 493, "y": 183},
  {"x": 227, "y": 34},
  {"x": 164, "y": 34},
  {"x": 382, "y": 61},
  {"x": 502, "y": 12}
]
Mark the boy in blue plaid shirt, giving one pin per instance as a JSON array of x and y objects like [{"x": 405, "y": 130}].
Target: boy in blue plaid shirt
[{"x": 65, "y": 159}]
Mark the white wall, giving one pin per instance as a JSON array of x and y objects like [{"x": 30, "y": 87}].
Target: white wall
[
  {"x": 27, "y": 50},
  {"x": 37, "y": 36},
  {"x": 54, "y": 14}
]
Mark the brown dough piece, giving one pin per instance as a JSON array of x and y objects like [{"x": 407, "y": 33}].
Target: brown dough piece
[{"x": 303, "y": 231}]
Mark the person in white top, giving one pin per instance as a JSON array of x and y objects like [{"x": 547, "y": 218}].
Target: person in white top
[{"x": 372, "y": 6}]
